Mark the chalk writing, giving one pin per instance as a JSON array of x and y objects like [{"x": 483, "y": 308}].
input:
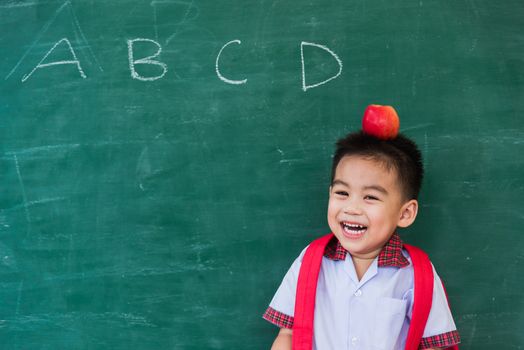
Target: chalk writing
[
  {"x": 152, "y": 60},
  {"x": 220, "y": 76},
  {"x": 56, "y": 63},
  {"x": 305, "y": 87},
  {"x": 145, "y": 60}
]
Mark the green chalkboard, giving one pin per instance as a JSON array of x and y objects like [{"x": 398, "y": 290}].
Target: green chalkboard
[{"x": 163, "y": 162}]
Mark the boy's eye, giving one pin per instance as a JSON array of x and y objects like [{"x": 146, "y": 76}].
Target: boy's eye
[
  {"x": 373, "y": 198},
  {"x": 342, "y": 193}
]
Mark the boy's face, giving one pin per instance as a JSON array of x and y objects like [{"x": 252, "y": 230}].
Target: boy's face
[{"x": 366, "y": 206}]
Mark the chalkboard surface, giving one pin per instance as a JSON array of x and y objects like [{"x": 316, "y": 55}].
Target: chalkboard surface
[{"x": 163, "y": 162}]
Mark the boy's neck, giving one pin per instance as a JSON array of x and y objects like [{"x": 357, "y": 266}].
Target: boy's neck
[{"x": 361, "y": 265}]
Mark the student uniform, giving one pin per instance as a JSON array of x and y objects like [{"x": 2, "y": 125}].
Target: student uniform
[{"x": 373, "y": 313}]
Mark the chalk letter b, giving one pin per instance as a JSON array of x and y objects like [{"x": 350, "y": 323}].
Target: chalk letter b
[
  {"x": 145, "y": 60},
  {"x": 40, "y": 64},
  {"x": 304, "y": 85}
]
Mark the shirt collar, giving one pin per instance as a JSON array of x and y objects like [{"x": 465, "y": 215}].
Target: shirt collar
[{"x": 390, "y": 255}]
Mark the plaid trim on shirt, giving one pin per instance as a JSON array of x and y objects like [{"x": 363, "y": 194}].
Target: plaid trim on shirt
[
  {"x": 390, "y": 255},
  {"x": 440, "y": 341},
  {"x": 278, "y": 318}
]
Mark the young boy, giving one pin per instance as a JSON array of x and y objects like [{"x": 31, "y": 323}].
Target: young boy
[{"x": 365, "y": 287}]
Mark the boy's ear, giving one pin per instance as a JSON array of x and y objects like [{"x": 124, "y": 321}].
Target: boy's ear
[{"x": 408, "y": 213}]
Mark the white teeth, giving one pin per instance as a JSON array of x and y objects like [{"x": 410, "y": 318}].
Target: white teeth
[{"x": 355, "y": 228}]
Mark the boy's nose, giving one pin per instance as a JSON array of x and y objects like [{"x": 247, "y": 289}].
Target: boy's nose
[{"x": 352, "y": 208}]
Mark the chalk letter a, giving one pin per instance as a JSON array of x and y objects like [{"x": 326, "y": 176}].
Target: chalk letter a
[
  {"x": 145, "y": 60},
  {"x": 40, "y": 64},
  {"x": 304, "y": 85}
]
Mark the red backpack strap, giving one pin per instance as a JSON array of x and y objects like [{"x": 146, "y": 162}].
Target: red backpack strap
[
  {"x": 302, "y": 338},
  {"x": 423, "y": 280}
]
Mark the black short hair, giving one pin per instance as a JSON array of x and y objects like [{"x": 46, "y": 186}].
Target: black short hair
[{"x": 399, "y": 153}]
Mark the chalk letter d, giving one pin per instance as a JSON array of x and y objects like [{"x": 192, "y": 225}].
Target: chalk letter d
[{"x": 304, "y": 85}]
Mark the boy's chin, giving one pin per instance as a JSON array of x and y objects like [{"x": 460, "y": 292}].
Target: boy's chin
[{"x": 349, "y": 243}]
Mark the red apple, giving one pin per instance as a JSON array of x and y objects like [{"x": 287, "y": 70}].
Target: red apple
[{"x": 381, "y": 122}]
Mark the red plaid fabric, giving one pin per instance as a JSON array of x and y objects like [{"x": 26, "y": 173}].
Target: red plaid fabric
[
  {"x": 390, "y": 255},
  {"x": 278, "y": 318},
  {"x": 440, "y": 341}
]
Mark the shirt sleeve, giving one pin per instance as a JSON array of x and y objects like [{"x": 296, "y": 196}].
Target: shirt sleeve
[
  {"x": 282, "y": 307},
  {"x": 440, "y": 328}
]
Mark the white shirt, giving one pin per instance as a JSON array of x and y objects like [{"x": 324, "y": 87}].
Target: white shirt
[{"x": 371, "y": 314}]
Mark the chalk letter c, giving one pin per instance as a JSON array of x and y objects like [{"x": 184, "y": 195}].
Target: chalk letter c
[{"x": 224, "y": 79}]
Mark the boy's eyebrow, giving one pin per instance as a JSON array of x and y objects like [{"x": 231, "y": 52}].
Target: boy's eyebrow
[
  {"x": 370, "y": 187},
  {"x": 339, "y": 182},
  {"x": 376, "y": 188}
]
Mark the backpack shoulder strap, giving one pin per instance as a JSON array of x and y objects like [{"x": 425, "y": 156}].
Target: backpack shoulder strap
[
  {"x": 302, "y": 338},
  {"x": 423, "y": 298}
]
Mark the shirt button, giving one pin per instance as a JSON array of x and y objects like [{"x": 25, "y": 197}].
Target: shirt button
[
  {"x": 358, "y": 293},
  {"x": 354, "y": 341}
]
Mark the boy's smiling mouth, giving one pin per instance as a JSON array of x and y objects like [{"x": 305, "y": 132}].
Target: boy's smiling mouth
[{"x": 353, "y": 230}]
